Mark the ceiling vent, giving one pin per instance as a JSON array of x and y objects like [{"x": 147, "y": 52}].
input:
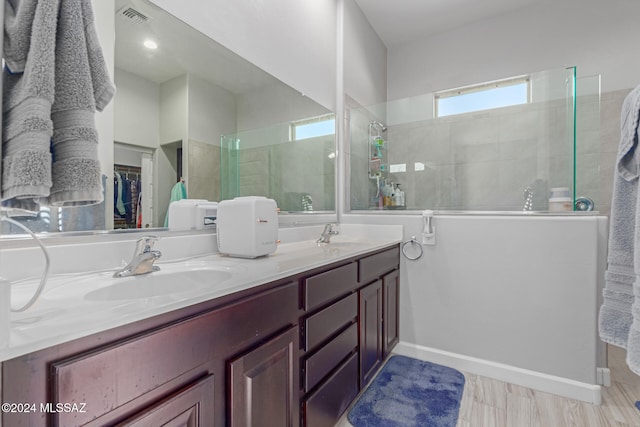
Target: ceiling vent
[{"x": 134, "y": 16}]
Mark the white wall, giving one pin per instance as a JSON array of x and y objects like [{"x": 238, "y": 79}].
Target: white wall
[
  {"x": 211, "y": 110},
  {"x": 211, "y": 113},
  {"x": 122, "y": 155},
  {"x": 596, "y": 36},
  {"x": 365, "y": 58},
  {"x": 136, "y": 110},
  {"x": 513, "y": 294},
  {"x": 293, "y": 40},
  {"x": 173, "y": 110},
  {"x": 274, "y": 104}
]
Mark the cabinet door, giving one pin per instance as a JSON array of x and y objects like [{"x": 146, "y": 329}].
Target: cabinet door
[
  {"x": 190, "y": 407},
  {"x": 370, "y": 330},
  {"x": 390, "y": 321},
  {"x": 264, "y": 384}
]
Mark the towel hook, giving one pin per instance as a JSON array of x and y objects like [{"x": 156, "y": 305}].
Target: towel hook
[{"x": 412, "y": 242}]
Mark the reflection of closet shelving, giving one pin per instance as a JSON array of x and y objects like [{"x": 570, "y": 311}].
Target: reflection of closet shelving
[{"x": 126, "y": 198}]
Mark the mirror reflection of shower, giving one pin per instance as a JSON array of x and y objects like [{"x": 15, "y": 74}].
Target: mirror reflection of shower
[{"x": 376, "y": 145}]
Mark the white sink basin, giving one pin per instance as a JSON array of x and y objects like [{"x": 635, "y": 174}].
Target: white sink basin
[{"x": 159, "y": 284}]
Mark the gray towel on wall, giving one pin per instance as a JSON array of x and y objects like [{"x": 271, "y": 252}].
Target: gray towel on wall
[
  {"x": 28, "y": 91},
  {"x": 619, "y": 317},
  {"x": 632, "y": 163},
  {"x": 50, "y": 152}
]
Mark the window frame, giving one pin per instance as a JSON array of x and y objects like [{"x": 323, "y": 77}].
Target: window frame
[
  {"x": 487, "y": 86},
  {"x": 323, "y": 118}
]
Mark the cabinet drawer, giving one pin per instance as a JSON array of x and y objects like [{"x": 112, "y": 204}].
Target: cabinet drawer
[
  {"x": 329, "y": 285},
  {"x": 324, "y": 407},
  {"x": 374, "y": 266},
  {"x": 328, "y": 357},
  {"x": 323, "y": 324}
]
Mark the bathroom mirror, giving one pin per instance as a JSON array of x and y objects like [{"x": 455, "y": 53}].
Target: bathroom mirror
[{"x": 188, "y": 109}]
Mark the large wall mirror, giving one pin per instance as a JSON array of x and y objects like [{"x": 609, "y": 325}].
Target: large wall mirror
[{"x": 189, "y": 110}]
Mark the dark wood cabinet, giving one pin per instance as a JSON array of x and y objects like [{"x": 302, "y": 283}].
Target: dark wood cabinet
[
  {"x": 370, "y": 307},
  {"x": 120, "y": 373},
  {"x": 345, "y": 336},
  {"x": 378, "y": 309},
  {"x": 390, "y": 319},
  {"x": 329, "y": 354},
  {"x": 264, "y": 384},
  {"x": 293, "y": 352}
]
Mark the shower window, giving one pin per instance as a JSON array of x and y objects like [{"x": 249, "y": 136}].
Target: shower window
[
  {"x": 503, "y": 93},
  {"x": 312, "y": 128}
]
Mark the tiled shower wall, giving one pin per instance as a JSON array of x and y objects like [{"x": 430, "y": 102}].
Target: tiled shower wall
[
  {"x": 204, "y": 167},
  {"x": 290, "y": 170},
  {"x": 596, "y": 151},
  {"x": 484, "y": 161},
  {"x": 480, "y": 161}
]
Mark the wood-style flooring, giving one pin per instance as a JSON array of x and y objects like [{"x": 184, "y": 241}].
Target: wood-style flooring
[{"x": 491, "y": 403}]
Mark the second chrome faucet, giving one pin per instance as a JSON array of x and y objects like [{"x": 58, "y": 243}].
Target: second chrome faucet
[
  {"x": 143, "y": 259},
  {"x": 328, "y": 231}
]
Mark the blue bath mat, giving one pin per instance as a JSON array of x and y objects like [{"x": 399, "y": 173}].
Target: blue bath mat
[{"x": 410, "y": 393}]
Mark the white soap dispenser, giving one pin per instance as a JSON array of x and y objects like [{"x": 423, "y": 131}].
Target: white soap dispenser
[
  {"x": 428, "y": 230},
  {"x": 399, "y": 196}
]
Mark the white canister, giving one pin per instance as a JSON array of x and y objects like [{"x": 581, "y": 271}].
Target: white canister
[
  {"x": 559, "y": 192},
  {"x": 560, "y": 204}
]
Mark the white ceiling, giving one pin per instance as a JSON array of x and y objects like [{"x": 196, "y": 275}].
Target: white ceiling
[
  {"x": 181, "y": 50},
  {"x": 401, "y": 21}
]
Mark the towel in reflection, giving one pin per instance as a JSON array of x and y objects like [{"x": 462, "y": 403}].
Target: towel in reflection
[
  {"x": 54, "y": 80},
  {"x": 178, "y": 192}
]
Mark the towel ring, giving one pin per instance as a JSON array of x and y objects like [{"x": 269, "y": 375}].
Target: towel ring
[{"x": 412, "y": 242}]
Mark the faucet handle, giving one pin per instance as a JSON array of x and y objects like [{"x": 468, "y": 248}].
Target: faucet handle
[
  {"x": 145, "y": 244},
  {"x": 334, "y": 230}
]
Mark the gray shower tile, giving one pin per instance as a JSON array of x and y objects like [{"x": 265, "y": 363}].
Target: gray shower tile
[{"x": 518, "y": 149}]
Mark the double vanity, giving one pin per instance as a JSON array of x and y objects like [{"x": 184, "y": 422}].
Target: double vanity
[{"x": 284, "y": 340}]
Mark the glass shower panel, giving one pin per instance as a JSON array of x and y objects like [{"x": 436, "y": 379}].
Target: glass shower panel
[
  {"x": 588, "y": 147},
  {"x": 476, "y": 161},
  {"x": 298, "y": 172},
  {"x": 229, "y": 167}
]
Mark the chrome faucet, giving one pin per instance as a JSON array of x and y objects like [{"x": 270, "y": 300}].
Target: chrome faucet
[
  {"x": 143, "y": 259},
  {"x": 328, "y": 231}
]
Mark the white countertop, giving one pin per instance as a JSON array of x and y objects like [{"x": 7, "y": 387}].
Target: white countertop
[{"x": 77, "y": 304}]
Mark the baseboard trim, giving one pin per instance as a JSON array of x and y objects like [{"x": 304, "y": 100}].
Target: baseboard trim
[{"x": 565, "y": 387}]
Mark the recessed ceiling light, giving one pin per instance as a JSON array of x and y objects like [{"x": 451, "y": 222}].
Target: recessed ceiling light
[{"x": 150, "y": 44}]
